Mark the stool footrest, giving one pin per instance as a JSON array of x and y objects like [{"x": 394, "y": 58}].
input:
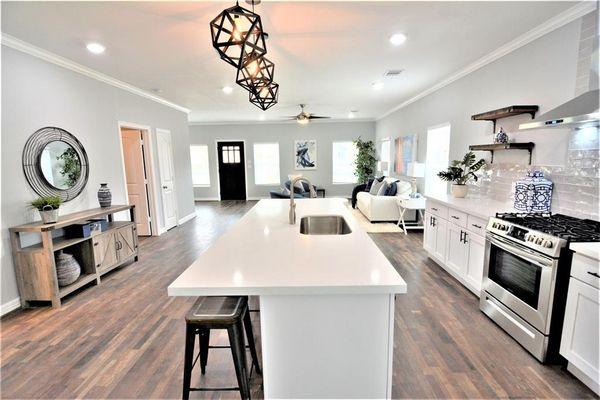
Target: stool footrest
[{"x": 213, "y": 389}]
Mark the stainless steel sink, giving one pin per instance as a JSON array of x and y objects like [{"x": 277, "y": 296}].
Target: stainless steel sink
[{"x": 324, "y": 225}]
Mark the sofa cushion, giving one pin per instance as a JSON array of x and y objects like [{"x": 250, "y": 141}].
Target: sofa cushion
[
  {"x": 382, "y": 188},
  {"x": 375, "y": 187}
]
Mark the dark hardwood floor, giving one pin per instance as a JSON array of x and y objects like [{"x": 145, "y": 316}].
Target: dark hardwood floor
[{"x": 125, "y": 338}]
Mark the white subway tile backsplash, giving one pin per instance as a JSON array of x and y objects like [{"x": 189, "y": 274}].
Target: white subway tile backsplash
[{"x": 576, "y": 189}]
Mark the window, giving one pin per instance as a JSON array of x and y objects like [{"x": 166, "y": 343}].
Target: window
[
  {"x": 266, "y": 163},
  {"x": 344, "y": 162},
  {"x": 438, "y": 155},
  {"x": 384, "y": 156},
  {"x": 231, "y": 154},
  {"x": 200, "y": 171}
]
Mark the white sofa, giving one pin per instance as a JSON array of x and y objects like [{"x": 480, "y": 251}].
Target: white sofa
[{"x": 383, "y": 208}]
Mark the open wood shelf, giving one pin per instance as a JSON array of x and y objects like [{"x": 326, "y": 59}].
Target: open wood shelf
[
  {"x": 503, "y": 146},
  {"x": 505, "y": 112},
  {"x": 84, "y": 279}
]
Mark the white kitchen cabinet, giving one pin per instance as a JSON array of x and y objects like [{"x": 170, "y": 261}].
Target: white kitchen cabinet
[
  {"x": 580, "y": 335},
  {"x": 475, "y": 261},
  {"x": 434, "y": 236},
  {"x": 457, "y": 245},
  {"x": 429, "y": 234},
  {"x": 457, "y": 252},
  {"x": 441, "y": 227}
]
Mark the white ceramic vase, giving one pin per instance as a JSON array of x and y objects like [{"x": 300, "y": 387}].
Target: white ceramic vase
[
  {"x": 49, "y": 215},
  {"x": 459, "y": 191}
]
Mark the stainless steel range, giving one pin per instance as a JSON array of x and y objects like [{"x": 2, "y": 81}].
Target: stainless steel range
[{"x": 526, "y": 275}]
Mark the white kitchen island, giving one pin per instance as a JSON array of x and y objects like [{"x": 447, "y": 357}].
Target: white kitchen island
[{"x": 326, "y": 301}]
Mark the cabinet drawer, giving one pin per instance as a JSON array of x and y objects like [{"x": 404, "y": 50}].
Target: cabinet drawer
[
  {"x": 457, "y": 217},
  {"x": 476, "y": 225},
  {"x": 437, "y": 209},
  {"x": 584, "y": 268}
]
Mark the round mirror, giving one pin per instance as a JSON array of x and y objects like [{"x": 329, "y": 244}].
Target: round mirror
[
  {"x": 60, "y": 165},
  {"x": 55, "y": 163}
]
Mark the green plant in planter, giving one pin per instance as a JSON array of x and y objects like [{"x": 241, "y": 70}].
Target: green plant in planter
[
  {"x": 462, "y": 171},
  {"x": 42, "y": 203},
  {"x": 366, "y": 161}
]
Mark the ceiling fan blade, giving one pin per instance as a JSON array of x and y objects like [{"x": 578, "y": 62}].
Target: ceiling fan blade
[{"x": 317, "y": 117}]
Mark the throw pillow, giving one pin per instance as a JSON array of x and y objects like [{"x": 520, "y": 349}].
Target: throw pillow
[
  {"x": 375, "y": 187},
  {"x": 382, "y": 188},
  {"x": 391, "y": 190},
  {"x": 369, "y": 183}
]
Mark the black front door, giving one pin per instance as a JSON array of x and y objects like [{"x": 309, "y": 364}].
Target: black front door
[{"x": 232, "y": 171}]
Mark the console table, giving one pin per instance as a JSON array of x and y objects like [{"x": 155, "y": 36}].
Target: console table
[{"x": 35, "y": 267}]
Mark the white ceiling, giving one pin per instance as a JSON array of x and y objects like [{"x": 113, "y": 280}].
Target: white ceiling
[{"x": 326, "y": 54}]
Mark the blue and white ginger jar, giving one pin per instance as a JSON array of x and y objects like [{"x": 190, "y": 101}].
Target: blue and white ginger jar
[{"x": 533, "y": 193}]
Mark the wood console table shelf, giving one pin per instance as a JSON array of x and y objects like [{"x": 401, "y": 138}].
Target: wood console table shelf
[{"x": 35, "y": 266}]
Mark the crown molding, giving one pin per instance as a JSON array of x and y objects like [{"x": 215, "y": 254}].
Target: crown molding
[
  {"x": 281, "y": 122},
  {"x": 28, "y": 48},
  {"x": 569, "y": 15}
]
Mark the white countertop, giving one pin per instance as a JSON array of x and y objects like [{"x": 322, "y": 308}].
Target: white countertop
[
  {"x": 588, "y": 249},
  {"x": 262, "y": 254},
  {"x": 482, "y": 208}
]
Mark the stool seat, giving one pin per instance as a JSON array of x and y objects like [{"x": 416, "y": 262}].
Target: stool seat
[
  {"x": 216, "y": 310},
  {"x": 219, "y": 312}
]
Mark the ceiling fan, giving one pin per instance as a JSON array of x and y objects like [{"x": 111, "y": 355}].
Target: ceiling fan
[{"x": 304, "y": 118}]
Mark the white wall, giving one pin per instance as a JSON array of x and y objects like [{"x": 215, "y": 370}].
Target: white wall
[
  {"x": 35, "y": 94},
  {"x": 542, "y": 72},
  {"x": 285, "y": 134}
]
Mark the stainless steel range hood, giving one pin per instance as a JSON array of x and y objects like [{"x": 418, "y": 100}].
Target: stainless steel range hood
[{"x": 579, "y": 112}]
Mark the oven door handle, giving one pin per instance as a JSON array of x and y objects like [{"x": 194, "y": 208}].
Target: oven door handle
[{"x": 523, "y": 252}]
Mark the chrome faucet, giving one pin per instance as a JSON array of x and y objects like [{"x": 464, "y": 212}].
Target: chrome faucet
[{"x": 313, "y": 194}]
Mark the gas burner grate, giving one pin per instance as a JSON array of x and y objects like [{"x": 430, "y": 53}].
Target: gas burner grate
[{"x": 562, "y": 226}]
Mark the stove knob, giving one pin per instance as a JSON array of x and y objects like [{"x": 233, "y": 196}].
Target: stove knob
[
  {"x": 495, "y": 225},
  {"x": 539, "y": 240},
  {"x": 548, "y": 244}
]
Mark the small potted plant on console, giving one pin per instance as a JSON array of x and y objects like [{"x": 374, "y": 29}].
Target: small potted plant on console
[
  {"x": 48, "y": 207},
  {"x": 460, "y": 172}
]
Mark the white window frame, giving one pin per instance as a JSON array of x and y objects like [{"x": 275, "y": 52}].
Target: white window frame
[
  {"x": 201, "y": 185},
  {"x": 278, "y": 182},
  {"x": 333, "y": 181},
  {"x": 389, "y": 155},
  {"x": 432, "y": 168}
]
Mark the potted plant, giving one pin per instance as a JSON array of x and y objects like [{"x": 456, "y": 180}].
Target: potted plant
[
  {"x": 48, "y": 207},
  {"x": 365, "y": 160},
  {"x": 460, "y": 172}
]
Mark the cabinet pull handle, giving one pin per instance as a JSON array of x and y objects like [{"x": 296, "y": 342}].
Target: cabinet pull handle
[
  {"x": 454, "y": 216},
  {"x": 96, "y": 244},
  {"x": 461, "y": 236},
  {"x": 476, "y": 226},
  {"x": 433, "y": 220},
  {"x": 593, "y": 274},
  {"x": 434, "y": 209},
  {"x": 465, "y": 238}
]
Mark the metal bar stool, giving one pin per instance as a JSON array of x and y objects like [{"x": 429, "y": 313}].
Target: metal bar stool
[{"x": 219, "y": 312}]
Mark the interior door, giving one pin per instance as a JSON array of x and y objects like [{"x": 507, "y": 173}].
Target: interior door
[
  {"x": 135, "y": 177},
  {"x": 167, "y": 178},
  {"x": 232, "y": 170}
]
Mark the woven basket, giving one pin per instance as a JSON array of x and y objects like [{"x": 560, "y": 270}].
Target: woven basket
[{"x": 67, "y": 269}]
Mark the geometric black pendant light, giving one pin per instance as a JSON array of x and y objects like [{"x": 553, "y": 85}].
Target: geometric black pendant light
[
  {"x": 256, "y": 72},
  {"x": 265, "y": 96},
  {"x": 237, "y": 36}
]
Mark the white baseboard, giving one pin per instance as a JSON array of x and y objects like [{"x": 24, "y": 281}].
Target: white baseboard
[
  {"x": 10, "y": 306},
  {"x": 161, "y": 231},
  {"x": 206, "y": 199},
  {"x": 187, "y": 218}
]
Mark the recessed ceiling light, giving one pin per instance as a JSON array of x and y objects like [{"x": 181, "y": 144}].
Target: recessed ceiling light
[
  {"x": 397, "y": 39},
  {"x": 227, "y": 89},
  {"x": 95, "y": 48},
  {"x": 377, "y": 85}
]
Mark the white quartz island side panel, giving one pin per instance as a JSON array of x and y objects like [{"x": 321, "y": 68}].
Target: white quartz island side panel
[{"x": 326, "y": 301}]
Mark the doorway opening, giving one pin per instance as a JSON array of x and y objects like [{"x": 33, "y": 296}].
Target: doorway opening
[
  {"x": 137, "y": 169},
  {"x": 437, "y": 158},
  {"x": 232, "y": 170}
]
